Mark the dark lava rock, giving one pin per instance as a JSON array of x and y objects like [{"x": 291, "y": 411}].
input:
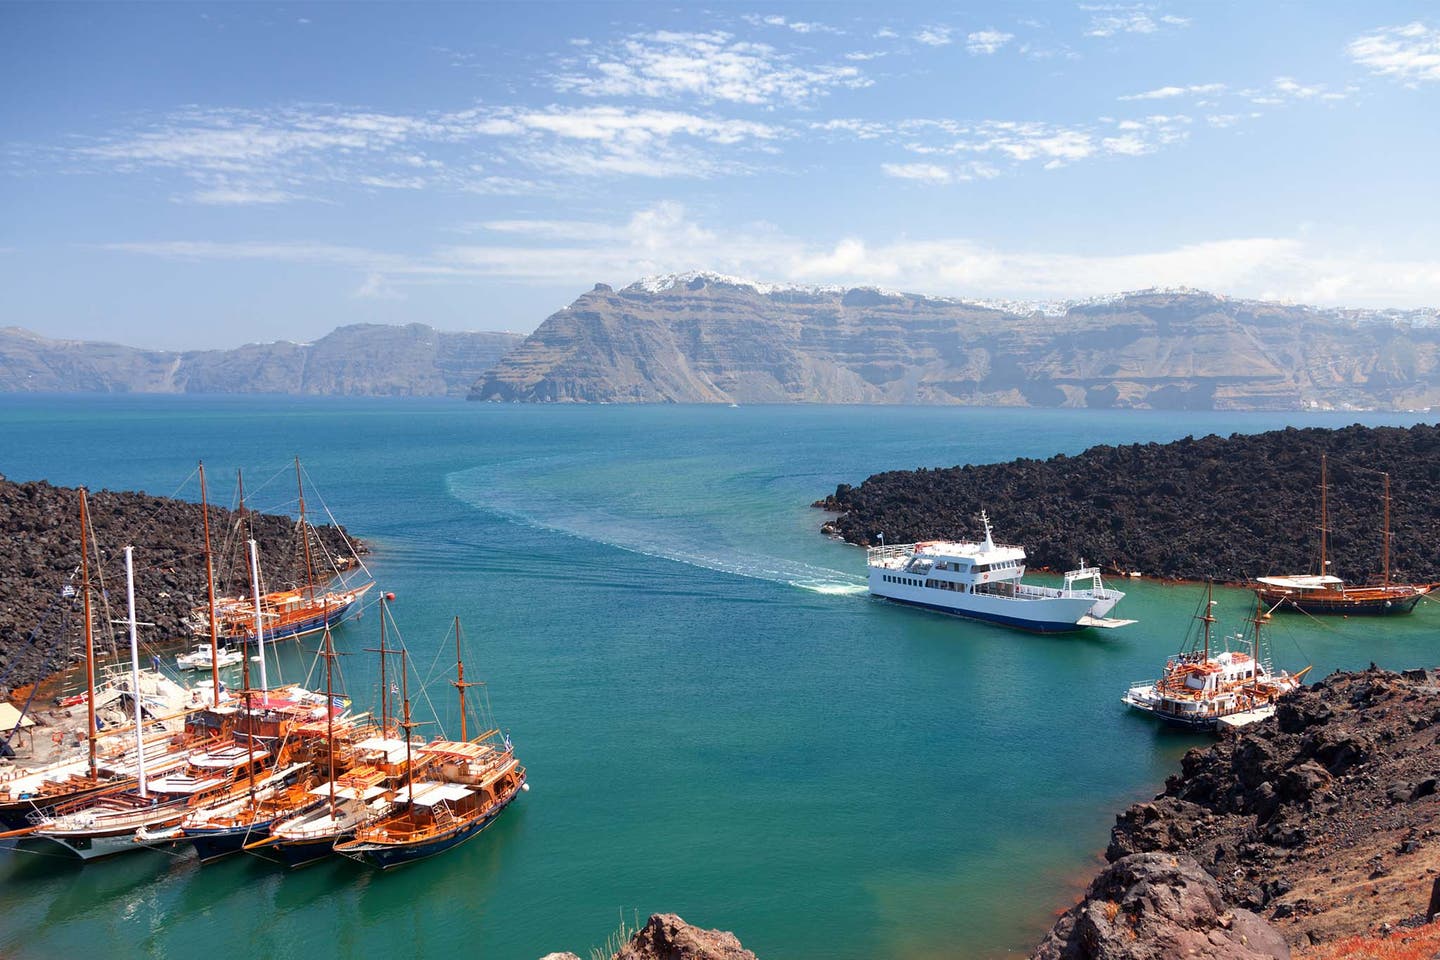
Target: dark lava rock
[
  {"x": 1199, "y": 508},
  {"x": 1153, "y": 906},
  {"x": 1333, "y": 792},
  {"x": 41, "y": 629}
]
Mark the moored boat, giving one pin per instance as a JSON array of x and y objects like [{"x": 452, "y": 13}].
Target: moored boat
[
  {"x": 982, "y": 581},
  {"x": 1202, "y": 687},
  {"x": 1325, "y": 593},
  {"x": 468, "y": 784}
]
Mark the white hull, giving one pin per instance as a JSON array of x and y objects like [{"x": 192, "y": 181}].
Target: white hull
[{"x": 1042, "y": 612}]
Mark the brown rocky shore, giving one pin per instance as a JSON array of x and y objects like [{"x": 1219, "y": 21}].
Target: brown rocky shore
[
  {"x": 1315, "y": 832},
  {"x": 666, "y": 937},
  {"x": 40, "y": 628}
]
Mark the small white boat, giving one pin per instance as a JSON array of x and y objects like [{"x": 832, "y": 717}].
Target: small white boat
[
  {"x": 982, "y": 581},
  {"x": 200, "y": 659}
]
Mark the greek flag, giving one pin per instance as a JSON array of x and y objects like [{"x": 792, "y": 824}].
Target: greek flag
[
  {"x": 339, "y": 703},
  {"x": 508, "y": 747}
]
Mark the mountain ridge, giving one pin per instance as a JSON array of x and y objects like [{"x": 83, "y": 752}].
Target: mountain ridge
[
  {"x": 362, "y": 359},
  {"x": 702, "y": 337}
]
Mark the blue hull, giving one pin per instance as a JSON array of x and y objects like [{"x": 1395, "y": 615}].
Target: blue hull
[
  {"x": 302, "y": 627},
  {"x": 387, "y": 856},
  {"x": 212, "y": 844},
  {"x": 300, "y": 853},
  {"x": 1034, "y": 626}
]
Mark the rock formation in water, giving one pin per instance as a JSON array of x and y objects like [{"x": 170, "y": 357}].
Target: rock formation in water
[
  {"x": 360, "y": 360},
  {"x": 41, "y": 628},
  {"x": 1208, "y": 508},
  {"x": 703, "y": 338},
  {"x": 1322, "y": 820},
  {"x": 666, "y": 937}
]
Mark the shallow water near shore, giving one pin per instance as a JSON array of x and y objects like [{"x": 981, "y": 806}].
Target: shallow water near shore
[{"x": 717, "y": 720}]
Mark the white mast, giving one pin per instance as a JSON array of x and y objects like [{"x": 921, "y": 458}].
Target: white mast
[
  {"x": 135, "y": 668},
  {"x": 259, "y": 624}
]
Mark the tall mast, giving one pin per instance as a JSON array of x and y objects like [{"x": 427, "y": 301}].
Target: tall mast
[
  {"x": 259, "y": 622},
  {"x": 330, "y": 716},
  {"x": 1387, "y": 528},
  {"x": 89, "y": 637},
  {"x": 1324, "y": 518},
  {"x": 305, "y": 537},
  {"x": 210, "y": 588},
  {"x": 406, "y": 725},
  {"x": 1209, "y": 617},
  {"x": 459, "y": 682},
  {"x": 384, "y": 687},
  {"x": 135, "y": 669}
]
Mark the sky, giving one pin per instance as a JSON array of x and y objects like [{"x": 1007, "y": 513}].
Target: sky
[{"x": 188, "y": 175}]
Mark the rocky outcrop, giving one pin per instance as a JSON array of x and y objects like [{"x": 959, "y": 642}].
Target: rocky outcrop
[
  {"x": 1207, "y": 508},
  {"x": 1322, "y": 819},
  {"x": 41, "y": 628},
  {"x": 357, "y": 360},
  {"x": 1152, "y": 906},
  {"x": 666, "y": 937},
  {"x": 703, "y": 338}
]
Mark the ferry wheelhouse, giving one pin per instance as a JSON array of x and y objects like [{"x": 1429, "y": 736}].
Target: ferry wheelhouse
[{"x": 982, "y": 581}]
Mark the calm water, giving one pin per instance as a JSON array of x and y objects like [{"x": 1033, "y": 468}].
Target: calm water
[{"x": 716, "y": 720}]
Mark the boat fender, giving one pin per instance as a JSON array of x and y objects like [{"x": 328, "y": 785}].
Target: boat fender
[{"x": 525, "y": 787}]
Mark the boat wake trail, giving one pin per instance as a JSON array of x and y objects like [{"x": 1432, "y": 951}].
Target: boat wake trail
[{"x": 679, "y": 539}]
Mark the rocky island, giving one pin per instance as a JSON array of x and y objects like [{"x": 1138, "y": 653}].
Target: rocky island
[
  {"x": 40, "y": 629},
  {"x": 1222, "y": 508},
  {"x": 706, "y": 338}
]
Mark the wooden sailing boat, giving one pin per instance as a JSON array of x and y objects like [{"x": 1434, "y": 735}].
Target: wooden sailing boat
[
  {"x": 1202, "y": 686},
  {"x": 471, "y": 782},
  {"x": 381, "y": 764},
  {"x": 308, "y": 608},
  {"x": 27, "y": 795},
  {"x": 1327, "y": 593}
]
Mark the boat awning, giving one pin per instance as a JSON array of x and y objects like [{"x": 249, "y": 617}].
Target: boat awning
[
  {"x": 348, "y": 793},
  {"x": 10, "y": 717},
  {"x": 1310, "y": 582},
  {"x": 430, "y": 793},
  {"x": 459, "y": 749}
]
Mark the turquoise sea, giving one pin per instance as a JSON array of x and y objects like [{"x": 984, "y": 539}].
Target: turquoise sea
[{"x": 717, "y": 721}]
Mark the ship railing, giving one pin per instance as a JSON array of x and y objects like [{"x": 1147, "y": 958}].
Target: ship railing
[{"x": 876, "y": 556}]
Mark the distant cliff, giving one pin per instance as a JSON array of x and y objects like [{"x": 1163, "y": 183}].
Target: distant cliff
[
  {"x": 358, "y": 360},
  {"x": 702, "y": 338}
]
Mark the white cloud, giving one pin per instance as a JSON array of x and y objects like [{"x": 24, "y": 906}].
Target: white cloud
[
  {"x": 710, "y": 67},
  {"x": 799, "y": 26},
  {"x": 1163, "y": 93},
  {"x": 926, "y": 172},
  {"x": 935, "y": 36},
  {"x": 1106, "y": 20},
  {"x": 663, "y": 239},
  {"x": 1287, "y": 89},
  {"x": 985, "y": 42},
  {"x": 1410, "y": 54}
]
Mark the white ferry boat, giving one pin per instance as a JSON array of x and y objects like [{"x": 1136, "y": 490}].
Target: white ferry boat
[{"x": 982, "y": 581}]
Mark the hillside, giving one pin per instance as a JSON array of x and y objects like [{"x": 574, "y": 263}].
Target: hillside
[
  {"x": 1222, "y": 508},
  {"x": 703, "y": 338},
  {"x": 357, "y": 360}
]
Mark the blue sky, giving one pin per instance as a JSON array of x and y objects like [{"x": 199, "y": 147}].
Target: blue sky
[{"x": 192, "y": 175}]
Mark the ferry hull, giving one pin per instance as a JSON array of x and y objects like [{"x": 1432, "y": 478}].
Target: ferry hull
[{"x": 990, "y": 616}]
